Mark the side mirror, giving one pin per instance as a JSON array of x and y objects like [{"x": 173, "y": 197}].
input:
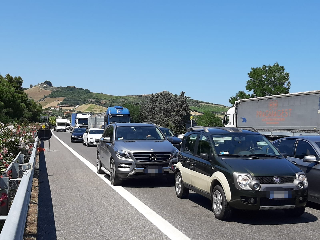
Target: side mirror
[
  {"x": 204, "y": 156},
  {"x": 225, "y": 120},
  {"x": 174, "y": 140},
  {"x": 310, "y": 158}
]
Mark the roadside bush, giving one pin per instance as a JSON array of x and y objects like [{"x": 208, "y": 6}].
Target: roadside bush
[{"x": 15, "y": 138}]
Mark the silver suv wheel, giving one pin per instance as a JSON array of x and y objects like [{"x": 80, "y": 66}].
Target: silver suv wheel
[
  {"x": 99, "y": 170},
  {"x": 114, "y": 179}
]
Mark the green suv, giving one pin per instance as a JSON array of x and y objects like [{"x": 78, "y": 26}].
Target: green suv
[{"x": 238, "y": 169}]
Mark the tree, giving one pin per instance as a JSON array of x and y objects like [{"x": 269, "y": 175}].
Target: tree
[
  {"x": 209, "y": 119},
  {"x": 134, "y": 110},
  {"x": 166, "y": 110},
  {"x": 48, "y": 83},
  {"x": 239, "y": 95},
  {"x": 268, "y": 80},
  {"x": 14, "y": 102},
  {"x": 265, "y": 81}
]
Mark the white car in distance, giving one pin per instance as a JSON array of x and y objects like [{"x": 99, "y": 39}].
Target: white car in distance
[{"x": 90, "y": 136}]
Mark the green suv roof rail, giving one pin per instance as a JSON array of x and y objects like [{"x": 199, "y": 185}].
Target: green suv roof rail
[
  {"x": 229, "y": 129},
  {"x": 198, "y": 128}
]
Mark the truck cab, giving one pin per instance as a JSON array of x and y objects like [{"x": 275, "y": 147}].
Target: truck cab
[
  {"x": 229, "y": 118},
  {"x": 117, "y": 114}
]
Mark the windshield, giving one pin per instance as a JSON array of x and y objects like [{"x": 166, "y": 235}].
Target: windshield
[
  {"x": 167, "y": 132},
  {"x": 119, "y": 119},
  {"x": 243, "y": 145},
  {"x": 138, "y": 133},
  {"x": 83, "y": 121},
  {"x": 96, "y": 131},
  {"x": 79, "y": 130}
]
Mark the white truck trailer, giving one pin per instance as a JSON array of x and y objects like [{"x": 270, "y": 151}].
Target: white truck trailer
[
  {"x": 278, "y": 115},
  {"x": 96, "y": 121}
]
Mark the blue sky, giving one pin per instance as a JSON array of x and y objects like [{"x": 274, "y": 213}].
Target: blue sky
[{"x": 204, "y": 48}]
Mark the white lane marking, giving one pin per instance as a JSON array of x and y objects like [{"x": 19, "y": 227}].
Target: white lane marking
[{"x": 163, "y": 225}]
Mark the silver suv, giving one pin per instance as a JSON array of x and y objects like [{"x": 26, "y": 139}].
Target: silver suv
[{"x": 134, "y": 149}]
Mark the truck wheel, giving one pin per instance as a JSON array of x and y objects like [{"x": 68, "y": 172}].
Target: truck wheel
[
  {"x": 220, "y": 206},
  {"x": 114, "y": 178},
  {"x": 181, "y": 190},
  {"x": 295, "y": 212},
  {"x": 99, "y": 170}
]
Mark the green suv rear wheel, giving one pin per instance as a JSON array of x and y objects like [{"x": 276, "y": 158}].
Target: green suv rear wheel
[{"x": 181, "y": 190}]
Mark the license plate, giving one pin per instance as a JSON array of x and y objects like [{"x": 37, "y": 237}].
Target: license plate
[
  {"x": 153, "y": 170},
  {"x": 279, "y": 194}
]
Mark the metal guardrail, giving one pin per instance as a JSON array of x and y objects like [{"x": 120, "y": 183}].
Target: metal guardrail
[{"x": 15, "y": 221}]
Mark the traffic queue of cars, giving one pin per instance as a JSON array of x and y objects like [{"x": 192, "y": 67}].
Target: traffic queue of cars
[{"x": 236, "y": 169}]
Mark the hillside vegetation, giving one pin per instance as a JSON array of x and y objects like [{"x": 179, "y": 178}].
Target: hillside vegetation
[
  {"x": 88, "y": 101},
  {"x": 91, "y": 108}
]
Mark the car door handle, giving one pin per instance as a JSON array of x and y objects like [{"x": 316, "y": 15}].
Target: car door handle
[{"x": 294, "y": 162}]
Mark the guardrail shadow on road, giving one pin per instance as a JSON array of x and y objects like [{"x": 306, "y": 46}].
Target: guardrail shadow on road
[
  {"x": 46, "y": 223},
  {"x": 263, "y": 217}
]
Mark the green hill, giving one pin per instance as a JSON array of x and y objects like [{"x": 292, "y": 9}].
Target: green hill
[{"x": 73, "y": 96}]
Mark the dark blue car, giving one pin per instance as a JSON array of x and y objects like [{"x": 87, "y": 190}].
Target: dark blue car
[
  {"x": 77, "y": 134},
  {"x": 175, "y": 141},
  {"x": 304, "y": 152}
]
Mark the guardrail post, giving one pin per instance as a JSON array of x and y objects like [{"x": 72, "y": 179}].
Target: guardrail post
[
  {"x": 21, "y": 158},
  {"x": 15, "y": 170}
]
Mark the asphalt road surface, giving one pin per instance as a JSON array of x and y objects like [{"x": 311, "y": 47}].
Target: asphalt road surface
[{"x": 77, "y": 203}]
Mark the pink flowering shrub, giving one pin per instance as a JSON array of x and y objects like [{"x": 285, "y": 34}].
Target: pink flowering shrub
[{"x": 15, "y": 138}]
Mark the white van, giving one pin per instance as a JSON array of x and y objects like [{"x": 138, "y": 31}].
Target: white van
[{"x": 61, "y": 125}]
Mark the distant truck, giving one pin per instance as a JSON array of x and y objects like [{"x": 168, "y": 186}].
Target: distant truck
[
  {"x": 278, "y": 115},
  {"x": 117, "y": 114},
  {"x": 79, "y": 120},
  {"x": 96, "y": 121},
  {"x": 61, "y": 125}
]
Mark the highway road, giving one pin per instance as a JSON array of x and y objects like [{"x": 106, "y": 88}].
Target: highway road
[{"x": 77, "y": 203}]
